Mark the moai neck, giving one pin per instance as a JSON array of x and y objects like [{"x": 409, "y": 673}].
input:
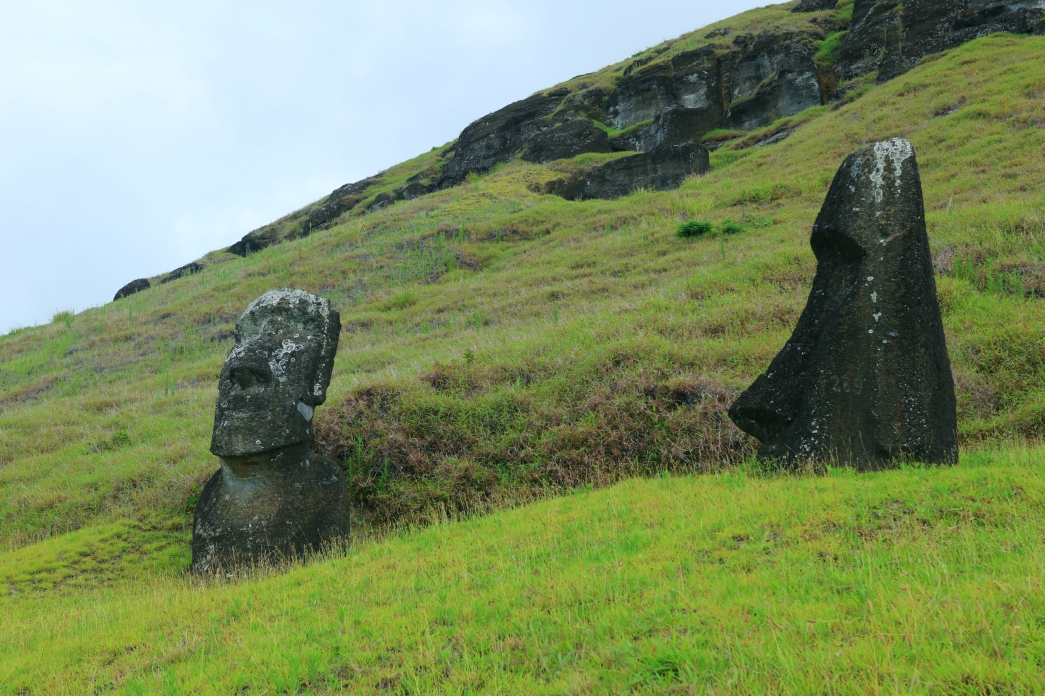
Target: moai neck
[{"x": 267, "y": 463}]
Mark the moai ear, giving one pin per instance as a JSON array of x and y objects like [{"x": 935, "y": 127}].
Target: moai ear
[{"x": 330, "y": 332}]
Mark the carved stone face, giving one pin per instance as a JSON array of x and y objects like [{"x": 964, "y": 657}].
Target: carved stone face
[{"x": 276, "y": 374}]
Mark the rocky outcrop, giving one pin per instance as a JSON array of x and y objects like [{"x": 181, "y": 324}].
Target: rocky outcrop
[
  {"x": 747, "y": 83},
  {"x": 272, "y": 498},
  {"x": 186, "y": 270},
  {"x": 340, "y": 201},
  {"x": 381, "y": 200},
  {"x": 690, "y": 79},
  {"x": 306, "y": 221},
  {"x": 664, "y": 168},
  {"x": 564, "y": 139},
  {"x": 815, "y": 5},
  {"x": 132, "y": 287},
  {"x": 763, "y": 78},
  {"x": 677, "y": 125},
  {"x": 498, "y": 137},
  {"x": 891, "y": 37},
  {"x": 865, "y": 378},
  {"x": 775, "y": 78}
]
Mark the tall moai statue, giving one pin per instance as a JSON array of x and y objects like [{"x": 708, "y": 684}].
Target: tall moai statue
[
  {"x": 272, "y": 498},
  {"x": 865, "y": 378}
]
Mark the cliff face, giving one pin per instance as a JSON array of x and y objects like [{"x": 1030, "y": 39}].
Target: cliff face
[
  {"x": 891, "y": 37},
  {"x": 740, "y": 80}
]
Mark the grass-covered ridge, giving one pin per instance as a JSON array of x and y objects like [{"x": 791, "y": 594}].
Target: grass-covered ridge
[
  {"x": 546, "y": 342},
  {"x": 500, "y": 345},
  {"x": 923, "y": 581}
]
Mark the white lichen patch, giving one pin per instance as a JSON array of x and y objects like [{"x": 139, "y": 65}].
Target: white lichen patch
[{"x": 896, "y": 151}]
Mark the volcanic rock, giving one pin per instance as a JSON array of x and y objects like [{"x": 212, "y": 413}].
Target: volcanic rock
[
  {"x": 815, "y": 5},
  {"x": 775, "y": 79},
  {"x": 497, "y": 137},
  {"x": 662, "y": 169},
  {"x": 186, "y": 270},
  {"x": 381, "y": 200},
  {"x": 865, "y": 378},
  {"x": 272, "y": 498},
  {"x": 677, "y": 125},
  {"x": 690, "y": 79},
  {"x": 565, "y": 139},
  {"x": 132, "y": 287},
  {"x": 307, "y": 220},
  {"x": 892, "y": 37}
]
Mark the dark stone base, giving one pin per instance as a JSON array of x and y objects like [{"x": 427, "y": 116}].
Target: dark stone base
[{"x": 270, "y": 511}]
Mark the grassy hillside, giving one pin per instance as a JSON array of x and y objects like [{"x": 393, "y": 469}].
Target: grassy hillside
[
  {"x": 500, "y": 345},
  {"x": 921, "y": 581}
]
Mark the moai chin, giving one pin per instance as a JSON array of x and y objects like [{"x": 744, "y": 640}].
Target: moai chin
[
  {"x": 272, "y": 498},
  {"x": 865, "y": 378}
]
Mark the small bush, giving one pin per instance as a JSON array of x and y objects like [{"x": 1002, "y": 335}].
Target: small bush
[
  {"x": 693, "y": 228},
  {"x": 730, "y": 227}
]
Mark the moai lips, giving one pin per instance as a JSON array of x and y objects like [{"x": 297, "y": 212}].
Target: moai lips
[
  {"x": 865, "y": 378},
  {"x": 272, "y": 498}
]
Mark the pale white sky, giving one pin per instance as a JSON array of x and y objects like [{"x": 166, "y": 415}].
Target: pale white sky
[{"x": 135, "y": 136}]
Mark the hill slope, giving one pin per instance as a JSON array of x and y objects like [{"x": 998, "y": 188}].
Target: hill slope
[
  {"x": 500, "y": 344},
  {"x": 496, "y": 338},
  {"x": 926, "y": 581}
]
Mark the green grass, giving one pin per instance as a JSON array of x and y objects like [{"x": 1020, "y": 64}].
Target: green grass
[
  {"x": 601, "y": 344},
  {"x": 920, "y": 580},
  {"x": 502, "y": 346}
]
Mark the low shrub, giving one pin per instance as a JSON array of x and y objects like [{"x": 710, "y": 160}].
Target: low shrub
[
  {"x": 730, "y": 227},
  {"x": 693, "y": 228}
]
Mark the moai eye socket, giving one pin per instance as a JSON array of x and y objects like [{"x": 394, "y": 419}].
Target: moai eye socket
[{"x": 246, "y": 377}]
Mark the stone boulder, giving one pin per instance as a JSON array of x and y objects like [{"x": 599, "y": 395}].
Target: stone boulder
[
  {"x": 132, "y": 287},
  {"x": 186, "y": 270},
  {"x": 865, "y": 378},
  {"x": 380, "y": 202},
  {"x": 272, "y": 498},
  {"x": 662, "y": 169}
]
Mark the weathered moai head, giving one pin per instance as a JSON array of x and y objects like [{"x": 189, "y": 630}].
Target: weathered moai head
[
  {"x": 865, "y": 377},
  {"x": 276, "y": 374}
]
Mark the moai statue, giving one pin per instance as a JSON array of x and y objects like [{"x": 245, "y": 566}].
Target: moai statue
[
  {"x": 864, "y": 379},
  {"x": 272, "y": 498}
]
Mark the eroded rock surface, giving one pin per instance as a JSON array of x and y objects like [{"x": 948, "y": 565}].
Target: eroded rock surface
[
  {"x": 498, "y": 137},
  {"x": 815, "y": 5},
  {"x": 307, "y": 220},
  {"x": 891, "y": 37},
  {"x": 186, "y": 270},
  {"x": 865, "y": 378},
  {"x": 132, "y": 287},
  {"x": 777, "y": 77},
  {"x": 662, "y": 169},
  {"x": 272, "y": 498},
  {"x": 741, "y": 81}
]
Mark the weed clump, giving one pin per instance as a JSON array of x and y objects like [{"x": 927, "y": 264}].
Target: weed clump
[
  {"x": 65, "y": 317},
  {"x": 693, "y": 228},
  {"x": 730, "y": 227}
]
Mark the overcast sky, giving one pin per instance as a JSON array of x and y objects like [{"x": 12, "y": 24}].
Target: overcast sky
[{"x": 137, "y": 136}]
